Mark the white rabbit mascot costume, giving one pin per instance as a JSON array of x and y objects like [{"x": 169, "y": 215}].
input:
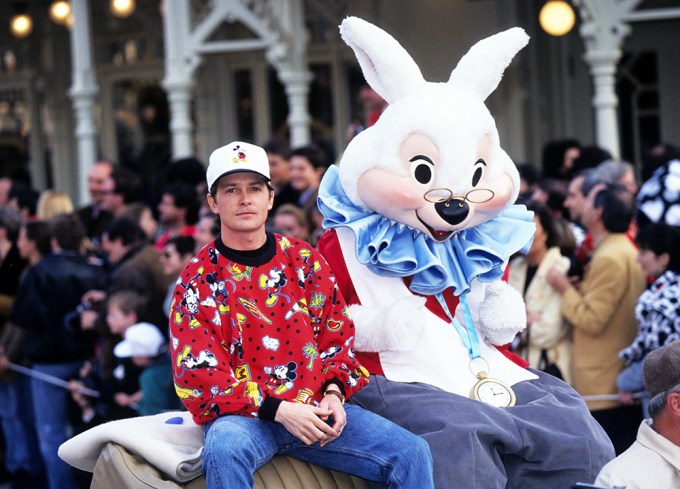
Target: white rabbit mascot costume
[{"x": 422, "y": 222}]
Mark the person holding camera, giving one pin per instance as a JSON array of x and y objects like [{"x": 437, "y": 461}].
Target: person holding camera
[
  {"x": 116, "y": 379},
  {"x": 49, "y": 294}
]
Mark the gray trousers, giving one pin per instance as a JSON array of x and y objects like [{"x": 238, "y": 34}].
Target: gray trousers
[{"x": 548, "y": 440}]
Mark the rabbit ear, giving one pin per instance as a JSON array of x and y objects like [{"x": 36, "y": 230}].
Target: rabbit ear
[
  {"x": 386, "y": 65},
  {"x": 481, "y": 69}
]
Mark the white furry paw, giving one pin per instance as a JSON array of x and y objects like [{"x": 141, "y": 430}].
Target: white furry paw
[
  {"x": 396, "y": 327},
  {"x": 502, "y": 313}
]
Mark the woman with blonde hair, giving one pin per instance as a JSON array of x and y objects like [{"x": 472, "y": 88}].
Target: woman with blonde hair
[
  {"x": 52, "y": 203},
  {"x": 546, "y": 341}
]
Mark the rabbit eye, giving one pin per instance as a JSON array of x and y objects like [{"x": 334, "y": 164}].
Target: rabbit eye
[
  {"x": 479, "y": 171},
  {"x": 422, "y": 169}
]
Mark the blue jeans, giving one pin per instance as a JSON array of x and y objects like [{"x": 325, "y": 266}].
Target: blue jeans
[
  {"x": 18, "y": 426},
  {"x": 52, "y": 421},
  {"x": 630, "y": 380},
  {"x": 370, "y": 447}
]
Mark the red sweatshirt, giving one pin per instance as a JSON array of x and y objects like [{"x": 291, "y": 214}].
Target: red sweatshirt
[{"x": 250, "y": 329}]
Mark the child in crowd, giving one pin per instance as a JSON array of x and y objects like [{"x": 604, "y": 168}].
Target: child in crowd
[
  {"x": 147, "y": 348},
  {"x": 109, "y": 375}
]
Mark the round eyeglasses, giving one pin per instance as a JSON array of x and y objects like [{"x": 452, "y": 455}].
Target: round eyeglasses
[{"x": 444, "y": 195}]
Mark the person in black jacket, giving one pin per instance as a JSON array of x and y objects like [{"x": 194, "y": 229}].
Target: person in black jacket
[
  {"x": 16, "y": 440},
  {"x": 45, "y": 307}
]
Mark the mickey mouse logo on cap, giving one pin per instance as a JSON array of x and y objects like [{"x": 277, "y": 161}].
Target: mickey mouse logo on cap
[
  {"x": 240, "y": 155},
  {"x": 237, "y": 156}
]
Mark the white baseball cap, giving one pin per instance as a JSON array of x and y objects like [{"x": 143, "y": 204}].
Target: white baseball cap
[
  {"x": 141, "y": 340},
  {"x": 237, "y": 157}
]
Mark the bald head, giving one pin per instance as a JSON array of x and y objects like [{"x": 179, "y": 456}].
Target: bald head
[{"x": 97, "y": 179}]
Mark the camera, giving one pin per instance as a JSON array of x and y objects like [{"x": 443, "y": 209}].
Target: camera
[{"x": 87, "y": 306}]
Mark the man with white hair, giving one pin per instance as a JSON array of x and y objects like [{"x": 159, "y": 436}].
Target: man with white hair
[
  {"x": 653, "y": 461},
  {"x": 619, "y": 172}
]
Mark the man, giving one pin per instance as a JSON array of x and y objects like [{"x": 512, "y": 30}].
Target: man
[
  {"x": 278, "y": 153},
  {"x": 653, "y": 461},
  {"x": 121, "y": 189},
  {"x": 620, "y": 172},
  {"x": 575, "y": 198},
  {"x": 21, "y": 455},
  {"x": 24, "y": 200},
  {"x": 601, "y": 309},
  {"x": 94, "y": 216},
  {"x": 578, "y": 188},
  {"x": 134, "y": 265},
  {"x": 55, "y": 343},
  {"x": 307, "y": 166},
  {"x": 177, "y": 212},
  {"x": 613, "y": 172},
  {"x": 373, "y": 105},
  {"x": 263, "y": 348}
]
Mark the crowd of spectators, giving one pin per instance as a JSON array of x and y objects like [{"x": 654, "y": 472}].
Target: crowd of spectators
[
  {"x": 84, "y": 297},
  {"x": 600, "y": 282},
  {"x": 84, "y": 292}
]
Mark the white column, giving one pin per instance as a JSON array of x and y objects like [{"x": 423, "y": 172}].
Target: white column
[
  {"x": 605, "y": 101},
  {"x": 290, "y": 61},
  {"x": 83, "y": 92},
  {"x": 296, "y": 84},
  {"x": 181, "y": 126},
  {"x": 180, "y": 63},
  {"x": 603, "y": 29}
]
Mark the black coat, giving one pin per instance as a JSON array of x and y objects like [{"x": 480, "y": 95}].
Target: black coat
[{"x": 45, "y": 306}]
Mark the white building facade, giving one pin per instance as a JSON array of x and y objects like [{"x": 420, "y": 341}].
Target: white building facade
[{"x": 179, "y": 78}]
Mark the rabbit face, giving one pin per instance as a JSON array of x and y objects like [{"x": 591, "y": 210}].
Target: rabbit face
[
  {"x": 433, "y": 160},
  {"x": 438, "y": 180}
]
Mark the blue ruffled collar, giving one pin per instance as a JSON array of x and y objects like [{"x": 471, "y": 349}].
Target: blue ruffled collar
[{"x": 392, "y": 249}]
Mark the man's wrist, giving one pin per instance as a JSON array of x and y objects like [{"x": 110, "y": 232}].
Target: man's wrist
[
  {"x": 333, "y": 382},
  {"x": 334, "y": 392},
  {"x": 269, "y": 407}
]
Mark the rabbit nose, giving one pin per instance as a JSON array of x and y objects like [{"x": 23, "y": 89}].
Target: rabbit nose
[{"x": 453, "y": 211}]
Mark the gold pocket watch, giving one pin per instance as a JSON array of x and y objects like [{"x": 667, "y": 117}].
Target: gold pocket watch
[{"x": 491, "y": 391}]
